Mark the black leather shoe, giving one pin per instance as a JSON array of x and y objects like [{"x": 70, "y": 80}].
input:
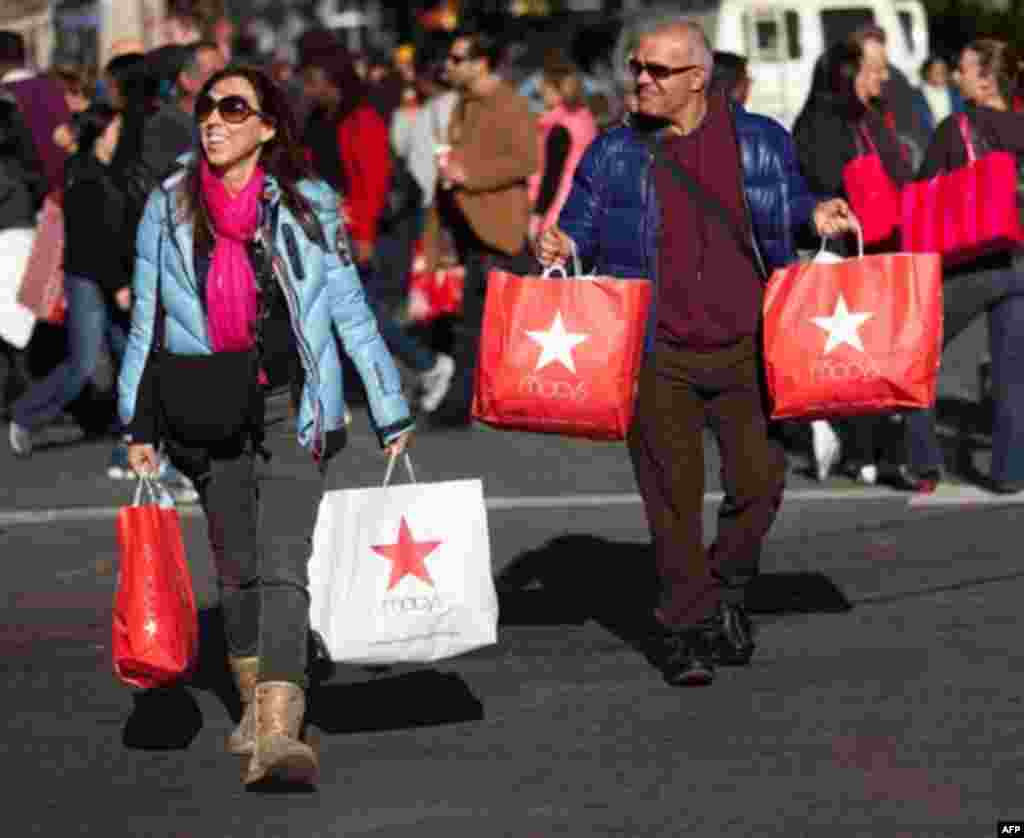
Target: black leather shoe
[
  {"x": 687, "y": 659},
  {"x": 731, "y": 636}
]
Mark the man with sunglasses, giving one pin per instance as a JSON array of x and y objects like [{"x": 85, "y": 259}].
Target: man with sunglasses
[
  {"x": 703, "y": 198},
  {"x": 483, "y": 197},
  {"x": 171, "y": 131}
]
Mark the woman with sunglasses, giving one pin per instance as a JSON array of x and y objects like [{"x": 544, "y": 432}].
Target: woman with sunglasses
[
  {"x": 843, "y": 119},
  {"x": 240, "y": 234}
]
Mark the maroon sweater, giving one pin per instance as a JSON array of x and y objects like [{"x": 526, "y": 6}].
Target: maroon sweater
[{"x": 709, "y": 293}]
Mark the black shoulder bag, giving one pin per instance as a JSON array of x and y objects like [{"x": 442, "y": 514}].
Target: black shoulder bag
[
  {"x": 206, "y": 401},
  {"x": 708, "y": 202}
]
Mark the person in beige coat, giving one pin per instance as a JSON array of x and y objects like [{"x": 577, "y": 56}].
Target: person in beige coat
[{"x": 483, "y": 169}]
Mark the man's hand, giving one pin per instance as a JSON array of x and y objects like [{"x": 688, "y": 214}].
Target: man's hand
[
  {"x": 553, "y": 247},
  {"x": 398, "y": 446},
  {"x": 123, "y": 298},
  {"x": 143, "y": 459},
  {"x": 833, "y": 218},
  {"x": 451, "y": 169}
]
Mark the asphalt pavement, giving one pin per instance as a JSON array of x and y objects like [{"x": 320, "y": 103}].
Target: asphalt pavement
[{"x": 883, "y": 700}]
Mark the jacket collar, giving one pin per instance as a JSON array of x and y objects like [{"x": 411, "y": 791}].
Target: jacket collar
[{"x": 176, "y": 180}]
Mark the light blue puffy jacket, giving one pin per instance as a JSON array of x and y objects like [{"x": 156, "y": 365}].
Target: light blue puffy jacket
[{"x": 322, "y": 289}]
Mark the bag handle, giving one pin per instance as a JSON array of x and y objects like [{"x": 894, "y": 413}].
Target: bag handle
[
  {"x": 965, "y": 135},
  {"x": 860, "y": 239},
  {"x": 391, "y": 468},
  {"x": 863, "y": 133},
  {"x": 158, "y": 493},
  {"x": 577, "y": 266}
]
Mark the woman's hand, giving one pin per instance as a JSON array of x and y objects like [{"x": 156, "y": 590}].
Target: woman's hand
[
  {"x": 143, "y": 459},
  {"x": 123, "y": 298},
  {"x": 398, "y": 446}
]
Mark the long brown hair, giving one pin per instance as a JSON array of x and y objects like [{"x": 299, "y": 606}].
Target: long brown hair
[
  {"x": 1000, "y": 61},
  {"x": 281, "y": 157}
]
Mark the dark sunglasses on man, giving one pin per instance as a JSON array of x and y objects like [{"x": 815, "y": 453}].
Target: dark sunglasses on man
[
  {"x": 232, "y": 109},
  {"x": 658, "y": 72}
]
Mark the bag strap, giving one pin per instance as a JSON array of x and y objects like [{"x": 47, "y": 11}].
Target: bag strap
[
  {"x": 708, "y": 202},
  {"x": 965, "y": 135}
]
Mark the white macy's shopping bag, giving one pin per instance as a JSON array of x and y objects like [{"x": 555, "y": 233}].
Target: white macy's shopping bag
[
  {"x": 402, "y": 574},
  {"x": 16, "y": 321}
]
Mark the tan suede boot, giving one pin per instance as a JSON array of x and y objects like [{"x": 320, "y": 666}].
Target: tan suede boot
[
  {"x": 242, "y": 740},
  {"x": 279, "y": 754}
]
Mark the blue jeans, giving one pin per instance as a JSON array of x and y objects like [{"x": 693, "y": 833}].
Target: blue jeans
[
  {"x": 1000, "y": 294},
  {"x": 88, "y": 322}
]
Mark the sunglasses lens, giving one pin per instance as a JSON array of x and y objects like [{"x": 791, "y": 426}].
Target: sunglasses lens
[
  {"x": 234, "y": 109},
  {"x": 204, "y": 107}
]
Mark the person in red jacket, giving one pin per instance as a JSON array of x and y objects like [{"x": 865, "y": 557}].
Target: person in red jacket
[{"x": 349, "y": 146}]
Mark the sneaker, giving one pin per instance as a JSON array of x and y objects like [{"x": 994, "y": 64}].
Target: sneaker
[
  {"x": 119, "y": 468},
  {"x": 827, "y": 448},
  {"x": 922, "y": 484},
  {"x": 21, "y": 440},
  {"x": 434, "y": 383},
  {"x": 687, "y": 660},
  {"x": 732, "y": 636},
  {"x": 177, "y": 484},
  {"x": 868, "y": 475}
]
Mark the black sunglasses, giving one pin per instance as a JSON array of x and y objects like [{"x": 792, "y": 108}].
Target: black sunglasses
[
  {"x": 458, "y": 59},
  {"x": 232, "y": 109},
  {"x": 658, "y": 72}
]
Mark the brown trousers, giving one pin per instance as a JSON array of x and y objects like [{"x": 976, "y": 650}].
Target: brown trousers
[{"x": 682, "y": 391}]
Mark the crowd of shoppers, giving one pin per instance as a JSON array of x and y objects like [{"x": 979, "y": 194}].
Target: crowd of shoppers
[{"x": 204, "y": 201}]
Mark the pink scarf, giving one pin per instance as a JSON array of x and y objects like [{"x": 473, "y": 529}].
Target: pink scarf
[{"x": 232, "y": 297}]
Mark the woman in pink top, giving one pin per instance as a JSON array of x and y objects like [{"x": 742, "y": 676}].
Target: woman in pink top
[{"x": 566, "y": 129}]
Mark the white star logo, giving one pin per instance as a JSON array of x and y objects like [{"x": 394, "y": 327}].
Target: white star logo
[
  {"x": 842, "y": 326},
  {"x": 557, "y": 344},
  {"x": 150, "y": 627}
]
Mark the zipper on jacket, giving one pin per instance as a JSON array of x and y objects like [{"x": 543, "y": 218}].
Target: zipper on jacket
[{"x": 312, "y": 373}]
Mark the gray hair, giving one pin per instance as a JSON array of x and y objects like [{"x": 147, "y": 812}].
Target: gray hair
[{"x": 699, "y": 17}]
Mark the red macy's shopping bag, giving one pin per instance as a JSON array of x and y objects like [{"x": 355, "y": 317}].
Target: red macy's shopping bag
[
  {"x": 42, "y": 284},
  {"x": 156, "y": 627},
  {"x": 967, "y": 213},
  {"x": 872, "y": 193},
  {"x": 434, "y": 294},
  {"x": 561, "y": 355},
  {"x": 853, "y": 337}
]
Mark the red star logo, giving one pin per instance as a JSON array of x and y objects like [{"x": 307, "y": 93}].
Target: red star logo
[{"x": 407, "y": 556}]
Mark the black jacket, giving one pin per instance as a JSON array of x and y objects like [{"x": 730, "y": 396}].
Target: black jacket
[
  {"x": 99, "y": 235},
  {"x": 825, "y": 142},
  {"x": 991, "y": 130},
  {"x": 22, "y": 182}
]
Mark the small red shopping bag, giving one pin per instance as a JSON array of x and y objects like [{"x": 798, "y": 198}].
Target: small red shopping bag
[
  {"x": 872, "y": 193},
  {"x": 434, "y": 294},
  {"x": 42, "y": 285},
  {"x": 854, "y": 337},
  {"x": 561, "y": 355},
  {"x": 156, "y": 626},
  {"x": 966, "y": 213}
]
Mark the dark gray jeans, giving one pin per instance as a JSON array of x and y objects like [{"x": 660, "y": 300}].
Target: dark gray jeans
[
  {"x": 261, "y": 538},
  {"x": 999, "y": 294}
]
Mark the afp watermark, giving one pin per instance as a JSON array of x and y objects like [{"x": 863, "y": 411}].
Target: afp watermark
[{"x": 1011, "y": 828}]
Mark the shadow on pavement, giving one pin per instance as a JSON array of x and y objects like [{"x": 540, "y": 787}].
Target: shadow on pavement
[
  {"x": 162, "y": 720},
  {"x": 575, "y": 578},
  {"x": 169, "y": 719},
  {"x": 424, "y": 698}
]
